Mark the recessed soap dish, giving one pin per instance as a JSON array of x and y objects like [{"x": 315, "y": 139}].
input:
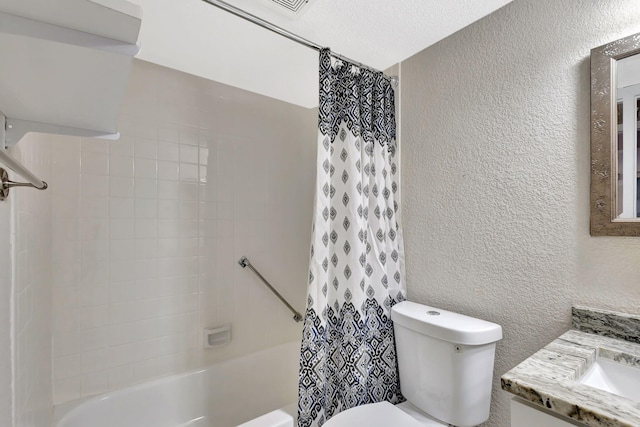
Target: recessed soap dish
[{"x": 217, "y": 336}]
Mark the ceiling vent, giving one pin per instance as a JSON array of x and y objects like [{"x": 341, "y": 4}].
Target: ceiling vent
[{"x": 293, "y": 7}]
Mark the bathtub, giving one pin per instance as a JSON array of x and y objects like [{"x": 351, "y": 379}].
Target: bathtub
[{"x": 224, "y": 394}]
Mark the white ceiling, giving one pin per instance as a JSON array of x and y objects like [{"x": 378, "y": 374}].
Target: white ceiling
[{"x": 197, "y": 38}]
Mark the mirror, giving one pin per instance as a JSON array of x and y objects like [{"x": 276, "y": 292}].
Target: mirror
[
  {"x": 627, "y": 91},
  {"x": 615, "y": 138}
]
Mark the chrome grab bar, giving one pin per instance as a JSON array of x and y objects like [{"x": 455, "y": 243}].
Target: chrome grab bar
[{"x": 244, "y": 262}]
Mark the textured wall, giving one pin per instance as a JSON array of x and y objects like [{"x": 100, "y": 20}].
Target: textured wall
[
  {"x": 148, "y": 231},
  {"x": 495, "y": 133}
]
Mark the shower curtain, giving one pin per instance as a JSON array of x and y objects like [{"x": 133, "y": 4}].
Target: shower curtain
[{"x": 348, "y": 355}]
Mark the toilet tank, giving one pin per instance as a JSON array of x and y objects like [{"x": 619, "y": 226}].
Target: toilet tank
[{"x": 445, "y": 361}]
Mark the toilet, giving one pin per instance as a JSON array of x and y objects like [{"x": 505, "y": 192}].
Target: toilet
[{"x": 445, "y": 361}]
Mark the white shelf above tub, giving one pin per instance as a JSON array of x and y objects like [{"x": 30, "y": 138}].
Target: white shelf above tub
[{"x": 65, "y": 65}]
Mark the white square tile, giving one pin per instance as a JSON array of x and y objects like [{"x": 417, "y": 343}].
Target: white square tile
[
  {"x": 93, "y": 163},
  {"x": 122, "y": 270},
  {"x": 122, "y": 147},
  {"x": 189, "y": 247},
  {"x": 189, "y": 116},
  {"x": 144, "y": 329},
  {"x": 122, "y": 249},
  {"x": 146, "y": 188},
  {"x": 121, "y": 228},
  {"x": 66, "y": 318},
  {"x": 121, "y": 208},
  {"x": 146, "y": 208},
  {"x": 168, "y": 344},
  {"x": 146, "y": 268},
  {"x": 95, "y": 360},
  {"x": 95, "y": 145},
  {"x": 146, "y": 130},
  {"x": 66, "y": 276},
  {"x": 95, "y": 250},
  {"x": 66, "y": 252},
  {"x": 169, "y": 286},
  {"x": 97, "y": 294},
  {"x": 168, "y": 170},
  {"x": 168, "y": 228},
  {"x": 67, "y": 389},
  {"x": 208, "y": 210},
  {"x": 188, "y": 191},
  {"x": 123, "y": 292},
  {"x": 208, "y": 229},
  {"x": 121, "y": 166},
  {"x": 121, "y": 354},
  {"x": 95, "y": 316},
  {"x": 208, "y": 191},
  {"x": 145, "y": 168},
  {"x": 168, "y": 209},
  {"x": 189, "y": 210},
  {"x": 146, "y": 249},
  {"x": 94, "y": 383},
  {"x": 168, "y": 190},
  {"x": 189, "y": 228},
  {"x": 168, "y": 151},
  {"x": 145, "y": 369},
  {"x": 94, "y": 228},
  {"x": 120, "y": 376},
  {"x": 188, "y": 172},
  {"x": 66, "y": 210},
  {"x": 145, "y": 148},
  {"x": 145, "y": 350},
  {"x": 203, "y": 156},
  {"x": 189, "y": 135},
  {"x": 120, "y": 186},
  {"x": 189, "y": 154},
  {"x": 168, "y": 247},
  {"x": 94, "y": 185},
  {"x": 146, "y": 228},
  {"x": 170, "y": 325},
  {"x": 203, "y": 177},
  {"x": 67, "y": 343},
  {"x": 94, "y": 207},
  {"x": 94, "y": 339},
  {"x": 93, "y": 273},
  {"x": 171, "y": 267},
  {"x": 169, "y": 133}
]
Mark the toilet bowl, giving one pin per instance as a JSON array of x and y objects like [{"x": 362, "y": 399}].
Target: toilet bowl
[
  {"x": 384, "y": 414},
  {"x": 445, "y": 361}
]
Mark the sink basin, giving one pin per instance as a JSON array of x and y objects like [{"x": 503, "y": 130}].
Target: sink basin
[{"x": 614, "y": 377}]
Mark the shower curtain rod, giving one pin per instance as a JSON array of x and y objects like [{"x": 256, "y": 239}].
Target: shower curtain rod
[{"x": 282, "y": 32}]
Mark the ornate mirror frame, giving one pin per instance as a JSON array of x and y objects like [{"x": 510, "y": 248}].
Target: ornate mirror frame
[{"x": 604, "y": 136}]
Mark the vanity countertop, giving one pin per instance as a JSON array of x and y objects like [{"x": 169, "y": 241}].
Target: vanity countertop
[{"x": 549, "y": 377}]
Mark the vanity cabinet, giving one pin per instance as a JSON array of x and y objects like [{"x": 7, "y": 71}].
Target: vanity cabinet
[
  {"x": 554, "y": 387},
  {"x": 524, "y": 414}
]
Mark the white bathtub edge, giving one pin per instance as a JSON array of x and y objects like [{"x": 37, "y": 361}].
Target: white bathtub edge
[
  {"x": 227, "y": 401},
  {"x": 283, "y": 417}
]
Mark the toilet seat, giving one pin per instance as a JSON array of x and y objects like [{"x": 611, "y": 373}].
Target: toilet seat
[{"x": 382, "y": 414}]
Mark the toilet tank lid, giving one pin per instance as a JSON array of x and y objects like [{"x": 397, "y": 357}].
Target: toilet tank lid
[{"x": 445, "y": 325}]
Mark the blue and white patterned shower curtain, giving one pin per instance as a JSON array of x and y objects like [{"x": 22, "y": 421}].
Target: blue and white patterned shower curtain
[{"x": 348, "y": 355}]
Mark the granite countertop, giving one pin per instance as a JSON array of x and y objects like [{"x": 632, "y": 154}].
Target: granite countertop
[{"x": 548, "y": 378}]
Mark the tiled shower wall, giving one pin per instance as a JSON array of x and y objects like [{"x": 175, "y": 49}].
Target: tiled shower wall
[
  {"x": 32, "y": 287},
  {"x": 25, "y": 294},
  {"x": 6, "y": 393},
  {"x": 147, "y": 231}
]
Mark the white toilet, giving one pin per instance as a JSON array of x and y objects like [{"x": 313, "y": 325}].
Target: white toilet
[{"x": 446, "y": 370}]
